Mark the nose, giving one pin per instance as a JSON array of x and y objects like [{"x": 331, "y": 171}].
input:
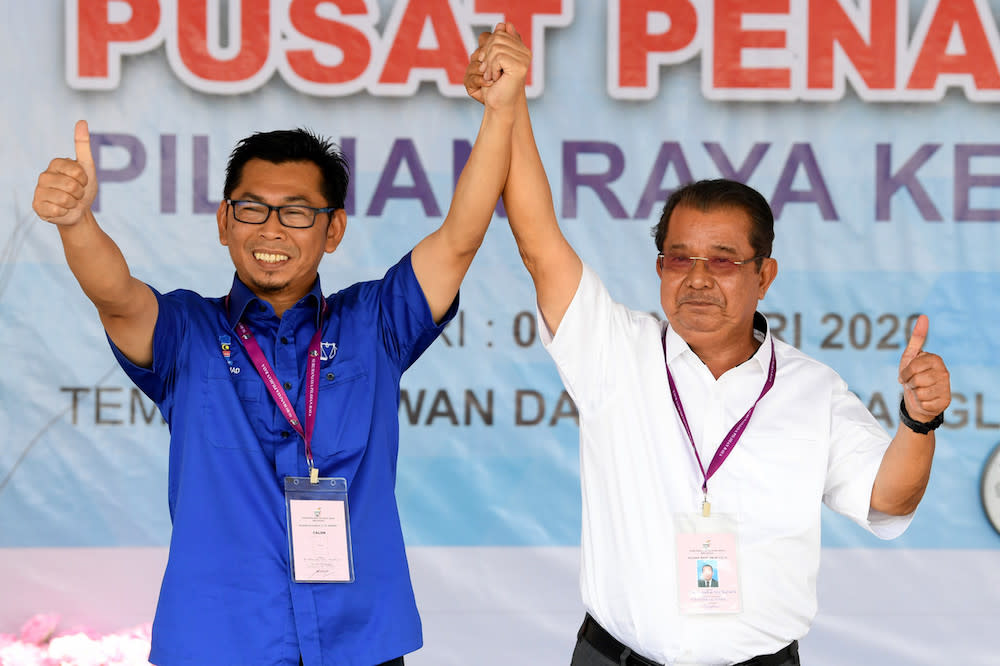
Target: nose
[
  {"x": 272, "y": 227},
  {"x": 698, "y": 275}
]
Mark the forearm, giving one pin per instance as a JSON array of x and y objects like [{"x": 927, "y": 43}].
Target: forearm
[
  {"x": 480, "y": 183},
  {"x": 554, "y": 266},
  {"x": 903, "y": 475},
  {"x": 99, "y": 267},
  {"x": 441, "y": 260},
  {"x": 528, "y": 200}
]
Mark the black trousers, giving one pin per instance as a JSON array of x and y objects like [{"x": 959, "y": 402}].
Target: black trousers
[{"x": 596, "y": 647}]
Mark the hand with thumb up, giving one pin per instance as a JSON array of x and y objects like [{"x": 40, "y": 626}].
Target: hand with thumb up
[{"x": 67, "y": 188}]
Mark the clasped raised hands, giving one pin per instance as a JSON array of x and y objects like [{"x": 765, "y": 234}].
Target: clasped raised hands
[
  {"x": 67, "y": 188},
  {"x": 498, "y": 68}
]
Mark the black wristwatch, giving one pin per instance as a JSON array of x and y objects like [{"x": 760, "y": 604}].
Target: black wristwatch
[{"x": 918, "y": 427}]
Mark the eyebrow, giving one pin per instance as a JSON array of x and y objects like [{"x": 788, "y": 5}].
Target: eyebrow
[
  {"x": 291, "y": 199},
  {"x": 725, "y": 249}
]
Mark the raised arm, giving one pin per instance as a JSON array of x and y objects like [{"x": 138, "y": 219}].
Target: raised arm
[
  {"x": 441, "y": 260},
  {"x": 906, "y": 466},
  {"x": 127, "y": 306},
  {"x": 554, "y": 266}
]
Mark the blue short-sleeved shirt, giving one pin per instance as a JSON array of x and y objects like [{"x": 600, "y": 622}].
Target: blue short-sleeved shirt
[{"x": 227, "y": 596}]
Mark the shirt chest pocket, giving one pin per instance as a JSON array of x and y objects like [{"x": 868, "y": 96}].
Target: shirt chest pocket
[
  {"x": 234, "y": 406},
  {"x": 344, "y": 410}
]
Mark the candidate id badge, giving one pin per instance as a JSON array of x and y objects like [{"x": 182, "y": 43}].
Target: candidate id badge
[
  {"x": 708, "y": 572},
  {"x": 319, "y": 530}
]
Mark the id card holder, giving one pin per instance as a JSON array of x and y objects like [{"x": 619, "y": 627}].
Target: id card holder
[
  {"x": 319, "y": 530},
  {"x": 708, "y": 571}
]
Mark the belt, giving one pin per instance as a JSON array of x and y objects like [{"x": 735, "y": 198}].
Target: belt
[{"x": 621, "y": 654}]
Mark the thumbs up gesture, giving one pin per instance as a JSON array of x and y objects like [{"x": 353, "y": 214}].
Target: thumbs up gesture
[
  {"x": 925, "y": 380},
  {"x": 67, "y": 188}
]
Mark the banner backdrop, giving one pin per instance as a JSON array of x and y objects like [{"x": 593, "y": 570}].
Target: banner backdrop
[{"x": 870, "y": 126}]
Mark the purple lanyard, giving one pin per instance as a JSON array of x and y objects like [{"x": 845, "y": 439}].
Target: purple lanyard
[
  {"x": 730, "y": 440},
  {"x": 278, "y": 393}
]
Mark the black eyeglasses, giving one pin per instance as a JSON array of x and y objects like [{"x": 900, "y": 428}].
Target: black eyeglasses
[
  {"x": 676, "y": 263},
  {"x": 295, "y": 216}
]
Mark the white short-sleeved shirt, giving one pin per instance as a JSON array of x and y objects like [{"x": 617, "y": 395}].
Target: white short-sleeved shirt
[{"x": 810, "y": 441}]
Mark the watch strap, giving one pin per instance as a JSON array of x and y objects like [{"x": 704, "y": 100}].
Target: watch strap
[{"x": 919, "y": 427}]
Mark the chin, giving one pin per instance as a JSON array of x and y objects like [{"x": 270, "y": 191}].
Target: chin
[
  {"x": 700, "y": 324},
  {"x": 266, "y": 286}
]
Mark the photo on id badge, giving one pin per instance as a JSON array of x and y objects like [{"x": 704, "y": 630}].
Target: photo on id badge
[{"x": 708, "y": 573}]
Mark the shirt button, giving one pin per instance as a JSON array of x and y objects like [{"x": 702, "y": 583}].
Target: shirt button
[
  {"x": 284, "y": 433},
  {"x": 329, "y": 375},
  {"x": 284, "y": 340},
  {"x": 287, "y": 385}
]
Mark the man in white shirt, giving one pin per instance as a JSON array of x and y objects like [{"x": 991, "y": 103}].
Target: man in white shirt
[{"x": 704, "y": 437}]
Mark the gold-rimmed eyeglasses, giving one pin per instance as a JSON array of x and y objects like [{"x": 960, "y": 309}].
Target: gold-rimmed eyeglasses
[{"x": 678, "y": 263}]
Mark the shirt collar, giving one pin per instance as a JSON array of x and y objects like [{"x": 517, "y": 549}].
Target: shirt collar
[
  {"x": 240, "y": 298},
  {"x": 676, "y": 346},
  {"x": 762, "y": 332}
]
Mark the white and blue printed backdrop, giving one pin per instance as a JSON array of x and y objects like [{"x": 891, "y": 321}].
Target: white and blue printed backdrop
[{"x": 870, "y": 125}]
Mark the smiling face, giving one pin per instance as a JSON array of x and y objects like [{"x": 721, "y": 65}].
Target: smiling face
[
  {"x": 710, "y": 310},
  {"x": 279, "y": 263}
]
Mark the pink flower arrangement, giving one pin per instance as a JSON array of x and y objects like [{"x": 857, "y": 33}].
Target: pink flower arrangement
[
  {"x": 40, "y": 645},
  {"x": 39, "y": 629}
]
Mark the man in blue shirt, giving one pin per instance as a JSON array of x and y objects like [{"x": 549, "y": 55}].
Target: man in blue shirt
[{"x": 238, "y": 377}]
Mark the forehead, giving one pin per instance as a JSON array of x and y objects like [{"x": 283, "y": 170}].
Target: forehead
[
  {"x": 284, "y": 180},
  {"x": 720, "y": 228}
]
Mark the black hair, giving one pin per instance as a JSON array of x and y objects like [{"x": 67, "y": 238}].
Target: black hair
[
  {"x": 706, "y": 195},
  {"x": 297, "y": 145}
]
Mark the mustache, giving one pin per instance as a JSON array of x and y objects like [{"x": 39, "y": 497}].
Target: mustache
[{"x": 695, "y": 297}]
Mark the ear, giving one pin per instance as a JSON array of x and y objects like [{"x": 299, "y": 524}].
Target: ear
[
  {"x": 222, "y": 218},
  {"x": 659, "y": 270},
  {"x": 768, "y": 271},
  {"x": 335, "y": 230}
]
